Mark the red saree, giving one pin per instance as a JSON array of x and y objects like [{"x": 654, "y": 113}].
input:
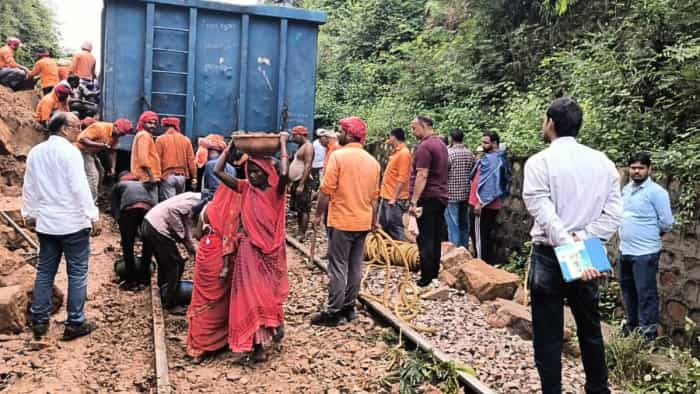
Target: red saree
[
  {"x": 260, "y": 284},
  {"x": 207, "y": 314}
]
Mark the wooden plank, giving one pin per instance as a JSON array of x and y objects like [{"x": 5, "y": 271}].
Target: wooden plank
[
  {"x": 159, "y": 349},
  {"x": 473, "y": 384}
]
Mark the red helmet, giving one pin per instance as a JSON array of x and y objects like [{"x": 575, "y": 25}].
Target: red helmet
[{"x": 14, "y": 42}]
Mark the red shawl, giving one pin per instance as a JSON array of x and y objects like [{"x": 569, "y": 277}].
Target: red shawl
[
  {"x": 263, "y": 211},
  {"x": 260, "y": 283}
]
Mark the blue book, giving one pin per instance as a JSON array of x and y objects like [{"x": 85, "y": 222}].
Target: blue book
[{"x": 576, "y": 257}]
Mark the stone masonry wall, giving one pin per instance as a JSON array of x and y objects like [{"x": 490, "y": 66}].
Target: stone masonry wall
[{"x": 679, "y": 266}]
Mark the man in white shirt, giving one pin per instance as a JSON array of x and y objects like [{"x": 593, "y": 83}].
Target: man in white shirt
[
  {"x": 57, "y": 195},
  {"x": 573, "y": 193},
  {"x": 320, "y": 144}
]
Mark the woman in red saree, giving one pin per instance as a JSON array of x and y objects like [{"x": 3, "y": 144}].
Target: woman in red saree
[
  {"x": 207, "y": 314},
  {"x": 259, "y": 284}
]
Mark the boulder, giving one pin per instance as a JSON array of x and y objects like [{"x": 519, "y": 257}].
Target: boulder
[
  {"x": 442, "y": 293},
  {"x": 9, "y": 260},
  {"x": 24, "y": 278},
  {"x": 446, "y": 247},
  {"x": 448, "y": 279},
  {"x": 453, "y": 259},
  {"x": 511, "y": 315},
  {"x": 487, "y": 282},
  {"x": 13, "y": 304}
]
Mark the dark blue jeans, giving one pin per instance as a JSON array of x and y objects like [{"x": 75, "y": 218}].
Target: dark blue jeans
[
  {"x": 638, "y": 283},
  {"x": 548, "y": 291},
  {"x": 391, "y": 218},
  {"x": 457, "y": 218},
  {"x": 76, "y": 248}
]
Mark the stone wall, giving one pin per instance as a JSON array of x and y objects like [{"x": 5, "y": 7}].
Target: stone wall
[{"x": 679, "y": 266}]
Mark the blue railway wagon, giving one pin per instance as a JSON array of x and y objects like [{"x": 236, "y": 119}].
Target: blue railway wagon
[{"x": 217, "y": 66}]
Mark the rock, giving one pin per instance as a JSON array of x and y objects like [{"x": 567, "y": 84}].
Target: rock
[
  {"x": 508, "y": 314},
  {"x": 446, "y": 247},
  {"x": 454, "y": 258},
  {"x": 22, "y": 276},
  {"x": 442, "y": 293},
  {"x": 9, "y": 260},
  {"x": 521, "y": 297},
  {"x": 448, "y": 279},
  {"x": 487, "y": 282},
  {"x": 232, "y": 376},
  {"x": 13, "y": 306}
]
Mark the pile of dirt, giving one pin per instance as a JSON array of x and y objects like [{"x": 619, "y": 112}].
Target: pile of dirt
[{"x": 19, "y": 132}]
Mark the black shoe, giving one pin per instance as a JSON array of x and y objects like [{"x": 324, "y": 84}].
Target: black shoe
[
  {"x": 73, "y": 332},
  {"x": 326, "y": 319},
  {"x": 40, "y": 330},
  {"x": 348, "y": 313},
  {"x": 423, "y": 282},
  {"x": 177, "y": 310}
]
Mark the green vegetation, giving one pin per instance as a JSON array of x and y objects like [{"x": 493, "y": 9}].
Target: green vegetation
[
  {"x": 32, "y": 22},
  {"x": 641, "y": 368},
  {"x": 412, "y": 372},
  {"x": 634, "y": 65}
]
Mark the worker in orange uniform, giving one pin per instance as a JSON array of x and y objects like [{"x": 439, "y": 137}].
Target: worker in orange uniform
[
  {"x": 13, "y": 75},
  {"x": 394, "y": 190},
  {"x": 83, "y": 64},
  {"x": 177, "y": 162},
  {"x": 349, "y": 190},
  {"x": 54, "y": 101},
  {"x": 46, "y": 69},
  {"x": 97, "y": 137},
  {"x": 145, "y": 162}
]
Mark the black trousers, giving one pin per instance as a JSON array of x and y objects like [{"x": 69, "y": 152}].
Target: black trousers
[
  {"x": 431, "y": 227},
  {"x": 129, "y": 224},
  {"x": 47, "y": 90},
  {"x": 170, "y": 263},
  {"x": 482, "y": 232},
  {"x": 548, "y": 291}
]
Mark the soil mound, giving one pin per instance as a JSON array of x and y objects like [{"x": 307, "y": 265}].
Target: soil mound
[{"x": 19, "y": 132}]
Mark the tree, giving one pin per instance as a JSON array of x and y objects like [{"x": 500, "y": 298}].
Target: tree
[{"x": 32, "y": 22}]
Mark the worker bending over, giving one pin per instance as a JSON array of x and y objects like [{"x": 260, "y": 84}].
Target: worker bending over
[
  {"x": 46, "y": 69},
  {"x": 97, "y": 137}
]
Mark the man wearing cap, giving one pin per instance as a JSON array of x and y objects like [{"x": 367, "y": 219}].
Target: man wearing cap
[
  {"x": 351, "y": 185},
  {"x": 145, "y": 162},
  {"x": 12, "y": 74},
  {"x": 97, "y": 137},
  {"x": 176, "y": 160},
  {"x": 47, "y": 70},
  {"x": 83, "y": 64},
  {"x": 54, "y": 101},
  {"x": 300, "y": 175}
]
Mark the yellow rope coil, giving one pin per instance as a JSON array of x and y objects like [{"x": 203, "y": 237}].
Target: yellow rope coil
[{"x": 381, "y": 251}]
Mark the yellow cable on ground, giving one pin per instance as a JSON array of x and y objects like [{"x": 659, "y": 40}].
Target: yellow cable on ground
[{"x": 382, "y": 251}]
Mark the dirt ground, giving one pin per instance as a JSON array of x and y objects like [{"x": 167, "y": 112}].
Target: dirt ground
[
  {"x": 118, "y": 356},
  {"x": 308, "y": 360}
]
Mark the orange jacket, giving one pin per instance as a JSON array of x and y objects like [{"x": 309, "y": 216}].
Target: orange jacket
[
  {"x": 7, "y": 57},
  {"x": 63, "y": 72},
  {"x": 176, "y": 154},
  {"x": 83, "y": 65},
  {"x": 47, "y": 105},
  {"x": 47, "y": 69},
  {"x": 102, "y": 132},
  {"x": 144, "y": 154}
]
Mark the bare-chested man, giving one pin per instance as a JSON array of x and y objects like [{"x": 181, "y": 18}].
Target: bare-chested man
[{"x": 302, "y": 183}]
